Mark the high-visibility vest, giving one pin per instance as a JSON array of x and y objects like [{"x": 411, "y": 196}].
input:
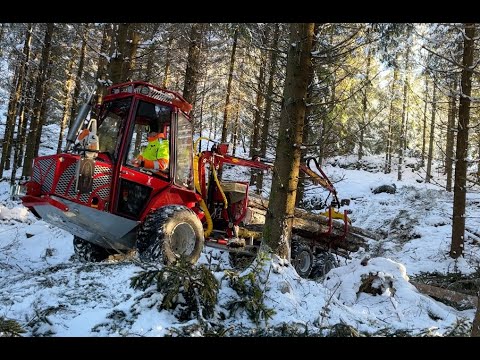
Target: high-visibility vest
[{"x": 156, "y": 155}]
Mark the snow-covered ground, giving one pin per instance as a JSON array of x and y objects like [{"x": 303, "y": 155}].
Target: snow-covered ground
[{"x": 50, "y": 293}]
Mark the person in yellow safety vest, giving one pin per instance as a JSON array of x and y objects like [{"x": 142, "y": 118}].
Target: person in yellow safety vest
[{"x": 155, "y": 156}]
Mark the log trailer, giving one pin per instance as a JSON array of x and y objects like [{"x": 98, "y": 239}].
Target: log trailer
[{"x": 94, "y": 191}]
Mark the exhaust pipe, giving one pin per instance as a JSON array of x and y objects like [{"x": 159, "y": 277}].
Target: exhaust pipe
[{"x": 77, "y": 123}]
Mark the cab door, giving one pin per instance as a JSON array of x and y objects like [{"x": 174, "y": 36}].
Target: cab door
[
  {"x": 183, "y": 154},
  {"x": 137, "y": 185}
]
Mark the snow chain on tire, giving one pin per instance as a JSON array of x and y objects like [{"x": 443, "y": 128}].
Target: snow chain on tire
[
  {"x": 302, "y": 258},
  {"x": 88, "y": 252},
  {"x": 324, "y": 262},
  {"x": 169, "y": 232}
]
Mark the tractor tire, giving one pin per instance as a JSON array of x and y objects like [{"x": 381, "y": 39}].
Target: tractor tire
[
  {"x": 302, "y": 259},
  {"x": 324, "y": 262},
  {"x": 88, "y": 252},
  {"x": 170, "y": 232}
]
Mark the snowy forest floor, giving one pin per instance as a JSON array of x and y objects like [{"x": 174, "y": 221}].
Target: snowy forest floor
[{"x": 50, "y": 293}]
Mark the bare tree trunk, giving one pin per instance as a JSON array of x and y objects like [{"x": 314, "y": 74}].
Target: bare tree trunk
[
  {"x": 215, "y": 127},
  {"x": 131, "y": 48},
  {"x": 403, "y": 126},
  {"x": 78, "y": 77},
  {"x": 306, "y": 127},
  {"x": 18, "y": 143},
  {"x": 364, "y": 104},
  {"x": 67, "y": 90},
  {"x": 193, "y": 66},
  {"x": 118, "y": 50},
  {"x": 268, "y": 102},
  {"x": 43, "y": 109},
  {"x": 449, "y": 142},
  {"x": 280, "y": 214},
  {"x": 432, "y": 134},
  {"x": 2, "y": 30},
  {"x": 14, "y": 102},
  {"x": 10, "y": 123},
  {"x": 26, "y": 114},
  {"x": 449, "y": 153},
  {"x": 326, "y": 123},
  {"x": 229, "y": 87},
  {"x": 148, "y": 75},
  {"x": 38, "y": 100},
  {"x": 202, "y": 101},
  {"x": 203, "y": 93},
  {"x": 235, "y": 130},
  {"x": 166, "y": 71},
  {"x": 424, "y": 134},
  {"x": 407, "y": 127},
  {"x": 259, "y": 102},
  {"x": 478, "y": 152},
  {"x": 476, "y": 320},
  {"x": 236, "y": 125},
  {"x": 459, "y": 189},
  {"x": 103, "y": 60},
  {"x": 391, "y": 119},
  {"x": 124, "y": 44}
]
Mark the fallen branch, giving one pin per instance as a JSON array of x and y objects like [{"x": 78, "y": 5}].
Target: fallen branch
[{"x": 463, "y": 301}]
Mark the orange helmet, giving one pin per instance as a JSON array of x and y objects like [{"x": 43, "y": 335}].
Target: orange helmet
[{"x": 153, "y": 135}]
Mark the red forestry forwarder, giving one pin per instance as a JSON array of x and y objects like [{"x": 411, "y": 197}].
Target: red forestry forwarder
[{"x": 95, "y": 191}]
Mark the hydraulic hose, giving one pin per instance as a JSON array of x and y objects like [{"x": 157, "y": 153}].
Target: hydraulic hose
[{"x": 196, "y": 181}]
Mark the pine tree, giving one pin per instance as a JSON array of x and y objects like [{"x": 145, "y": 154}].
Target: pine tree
[
  {"x": 459, "y": 189},
  {"x": 39, "y": 99},
  {"x": 432, "y": 134},
  {"x": 193, "y": 65},
  {"x": 15, "y": 98},
  {"x": 268, "y": 101},
  {"x": 226, "y": 111},
  {"x": 278, "y": 224}
]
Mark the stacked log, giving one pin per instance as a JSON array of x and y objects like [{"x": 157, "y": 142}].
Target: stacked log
[{"x": 311, "y": 227}]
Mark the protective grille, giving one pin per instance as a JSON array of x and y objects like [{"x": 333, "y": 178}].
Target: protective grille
[
  {"x": 47, "y": 185},
  {"x": 43, "y": 173},
  {"x": 102, "y": 181},
  {"x": 65, "y": 179},
  {"x": 102, "y": 170},
  {"x": 36, "y": 173},
  {"x": 104, "y": 193},
  {"x": 84, "y": 198},
  {"x": 101, "y": 184}
]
